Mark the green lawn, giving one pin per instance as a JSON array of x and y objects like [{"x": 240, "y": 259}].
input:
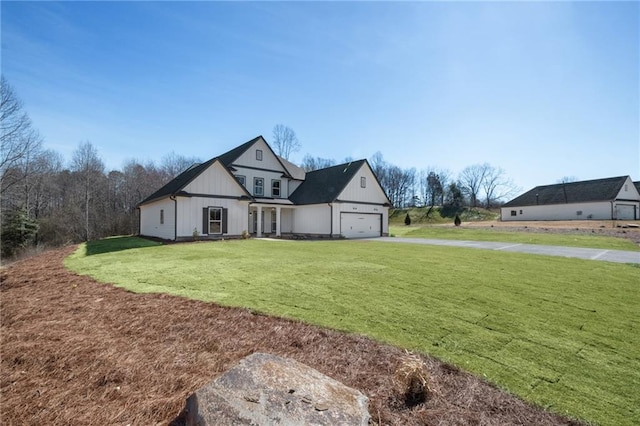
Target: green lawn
[
  {"x": 562, "y": 333},
  {"x": 475, "y": 234}
]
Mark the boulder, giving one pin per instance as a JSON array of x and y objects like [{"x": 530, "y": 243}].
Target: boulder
[{"x": 265, "y": 389}]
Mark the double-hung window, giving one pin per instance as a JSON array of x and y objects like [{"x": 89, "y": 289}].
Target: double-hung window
[
  {"x": 275, "y": 188},
  {"x": 215, "y": 220},
  {"x": 241, "y": 179},
  {"x": 258, "y": 187}
]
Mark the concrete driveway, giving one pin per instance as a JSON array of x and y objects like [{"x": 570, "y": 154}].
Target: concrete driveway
[{"x": 619, "y": 256}]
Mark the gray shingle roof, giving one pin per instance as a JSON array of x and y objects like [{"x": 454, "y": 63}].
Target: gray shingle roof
[
  {"x": 319, "y": 186},
  {"x": 571, "y": 192},
  {"x": 324, "y": 185},
  {"x": 179, "y": 182}
]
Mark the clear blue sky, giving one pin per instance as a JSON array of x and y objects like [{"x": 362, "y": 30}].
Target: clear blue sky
[{"x": 541, "y": 89}]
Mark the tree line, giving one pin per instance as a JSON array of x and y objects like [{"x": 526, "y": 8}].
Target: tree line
[{"x": 45, "y": 200}]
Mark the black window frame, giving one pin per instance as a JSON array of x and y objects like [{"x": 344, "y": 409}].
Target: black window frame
[{"x": 273, "y": 182}]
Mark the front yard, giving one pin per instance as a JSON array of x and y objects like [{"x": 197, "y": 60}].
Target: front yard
[{"x": 562, "y": 333}]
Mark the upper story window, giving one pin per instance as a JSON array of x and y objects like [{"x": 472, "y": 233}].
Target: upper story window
[
  {"x": 242, "y": 180},
  {"x": 275, "y": 188},
  {"x": 259, "y": 154},
  {"x": 363, "y": 182},
  {"x": 258, "y": 187}
]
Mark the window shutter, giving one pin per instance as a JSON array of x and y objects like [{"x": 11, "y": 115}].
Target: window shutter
[
  {"x": 205, "y": 220},
  {"x": 225, "y": 215}
]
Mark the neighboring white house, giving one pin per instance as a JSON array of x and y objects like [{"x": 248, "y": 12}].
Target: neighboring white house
[
  {"x": 603, "y": 199},
  {"x": 251, "y": 189}
]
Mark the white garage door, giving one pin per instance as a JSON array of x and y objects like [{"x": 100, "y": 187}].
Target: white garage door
[
  {"x": 626, "y": 212},
  {"x": 360, "y": 225}
]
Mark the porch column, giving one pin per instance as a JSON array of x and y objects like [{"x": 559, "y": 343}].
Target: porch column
[
  {"x": 259, "y": 221},
  {"x": 278, "y": 221}
]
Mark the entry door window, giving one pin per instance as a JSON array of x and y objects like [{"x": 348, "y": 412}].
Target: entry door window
[
  {"x": 215, "y": 220},
  {"x": 273, "y": 222}
]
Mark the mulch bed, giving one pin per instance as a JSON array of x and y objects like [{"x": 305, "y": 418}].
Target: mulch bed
[{"x": 74, "y": 351}]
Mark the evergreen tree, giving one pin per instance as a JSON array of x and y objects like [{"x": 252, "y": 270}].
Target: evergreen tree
[
  {"x": 18, "y": 232},
  {"x": 407, "y": 220}
]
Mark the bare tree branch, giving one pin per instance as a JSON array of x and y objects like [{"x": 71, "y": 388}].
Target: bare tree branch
[{"x": 285, "y": 141}]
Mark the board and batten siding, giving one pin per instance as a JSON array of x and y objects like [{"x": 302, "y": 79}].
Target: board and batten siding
[
  {"x": 312, "y": 219},
  {"x": 215, "y": 180},
  {"x": 268, "y": 176},
  {"x": 150, "y": 214},
  {"x": 269, "y": 160},
  {"x": 190, "y": 211},
  {"x": 371, "y": 193}
]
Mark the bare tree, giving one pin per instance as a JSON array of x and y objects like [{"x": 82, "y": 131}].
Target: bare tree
[
  {"x": 496, "y": 185},
  {"x": 285, "y": 141},
  {"x": 567, "y": 179},
  {"x": 89, "y": 168},
  {"x": 173, "y": 164},
  {"x": 18, "y": 138},
  {"x": 470, "y": 181},
  {"x": 310, "y": 163}
]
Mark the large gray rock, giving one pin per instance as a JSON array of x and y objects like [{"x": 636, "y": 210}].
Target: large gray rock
[{"x": 265, "y": 389}]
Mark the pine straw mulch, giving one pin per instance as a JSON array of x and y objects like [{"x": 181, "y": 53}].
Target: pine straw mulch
[{"x": 78, "y": 352}]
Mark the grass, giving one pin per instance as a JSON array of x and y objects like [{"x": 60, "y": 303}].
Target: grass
[
  {"x": 562, "y": 333},
  {"x": 478, "y": 234}
]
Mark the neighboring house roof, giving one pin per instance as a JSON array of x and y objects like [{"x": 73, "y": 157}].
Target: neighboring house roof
[
  {"x": 637, "y": 185},
  {"x": 324, "y": 185},
  {"x": 571, "y": 192}
]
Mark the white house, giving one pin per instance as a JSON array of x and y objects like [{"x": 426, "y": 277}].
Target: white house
[
  {"x": 602, "y": 199},
  {"x": 251, "y": 189}
]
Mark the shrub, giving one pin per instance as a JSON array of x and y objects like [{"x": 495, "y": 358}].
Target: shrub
[
  {"x": 457, "y": 220},
  {"x": 407, "y": 219},
  {"x": 245, "y": 235}
]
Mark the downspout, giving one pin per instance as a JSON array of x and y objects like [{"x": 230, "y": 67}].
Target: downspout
[
  {"x": 175, "y": 216},
  {"x": 331, "y": 216}
]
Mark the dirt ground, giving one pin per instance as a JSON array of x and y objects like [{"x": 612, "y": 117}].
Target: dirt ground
[
  {"x": 74, "y": 351},
  {"x": 622, "y": 229}
]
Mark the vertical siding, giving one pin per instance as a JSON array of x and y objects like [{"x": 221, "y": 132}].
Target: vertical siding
[
  {"x": 269, "y": 161},
  {"x": 190, "y": 215},
  {"x": 250, "y": 174},
  {"x": 150, "y": 225},
  {"x": 312, "y": 219},
  {"x": 372, "y": 193},
  {"x": 215, "y": 180}
]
